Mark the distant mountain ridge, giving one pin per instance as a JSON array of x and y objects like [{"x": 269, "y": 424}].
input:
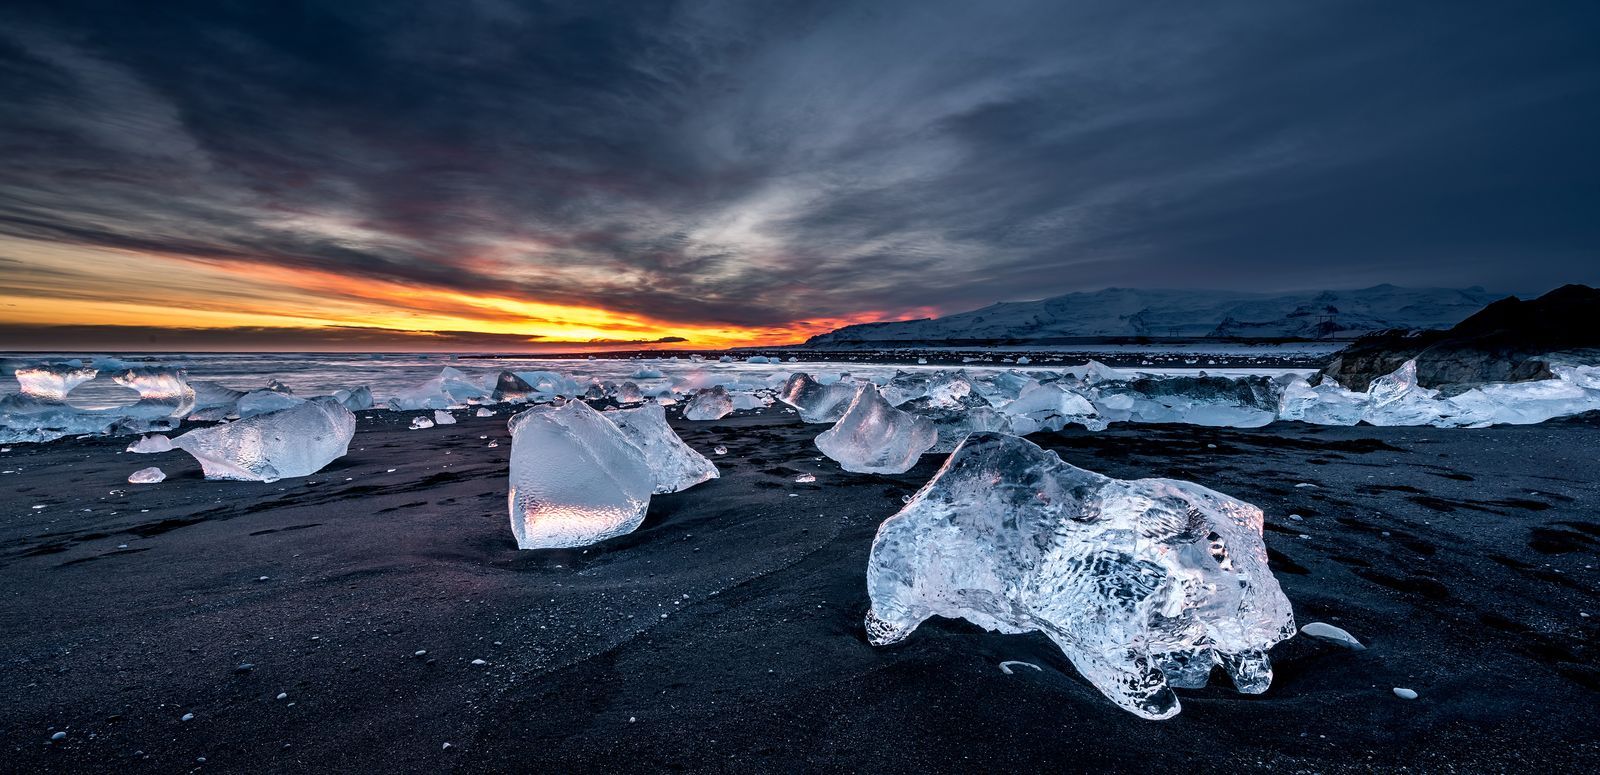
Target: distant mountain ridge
[{"x": 1123, "y": 313}]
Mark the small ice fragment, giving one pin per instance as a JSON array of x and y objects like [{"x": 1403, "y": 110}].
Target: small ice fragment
[
  {"x": 805, "y": 478},
  {"x": 1404, "y": 694},
  {"x": 420, "y": 652},
  {"x": 441, "y": 417},
  {"x": 392, "y": 470},
  {"x": 283, "y": 695},
  {"x": 493, "y": 444},
  {"x": 1296, "y": 517},
  {"x": 720, "y": 450},
  {"x": 1332, "y": 634},
  {"x": 59, "y": 736},
  {"x": 482, "y": 412},
  {"x": 420, "y": 423},
  {"x": 1305, "y": 485},
  {"x": 187, "y": 717},
  {"x": 149, "y": 475},
  {"x": 479, "y": 662},
  {"x": 713, "y": 403},
  {"x": 155, "y": 442},
  {"x": 1005, "y": 667}
]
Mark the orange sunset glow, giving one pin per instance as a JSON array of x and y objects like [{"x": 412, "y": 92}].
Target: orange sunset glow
[{"x": 79, "y": 286}]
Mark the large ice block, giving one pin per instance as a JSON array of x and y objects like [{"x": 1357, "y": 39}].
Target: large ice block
[
  {"x": 816, "y": 402},
  {"x": 53, "y": 381},
  {"x": 575, "y": 478},
  {"x": 873, "y": 437},
  {"x": 298, "y": 441},
  {"x": 1144, "y": 584},
  {"x": 164, "y": 391},
  {"x": 712, "y": 403},
  {"x": 508, "y": 386},
  {"x": 674, "y": 464},
  {"x": 450, "y": 388}
]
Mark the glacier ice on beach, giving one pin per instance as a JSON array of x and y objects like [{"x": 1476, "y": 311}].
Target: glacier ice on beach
[
  {"x": 153, "y": 443},
  {"x": 712, "y": 403},
  {"x": 163, "y": 392},
  {"x": 53, "y": 381},
  {"x": 151, "y": 475},
  {"x": 575, "y": 478},
  {"x": 674, "y": 464},
  {"x": 817, "y": 402},
  {"x": 263, "y": 401},
  {"x": 1398, "y": 399},
  {"x": 1327, "y": 403},
  {"x": 297, "y": 441},
  {"x": 354, "y": 399},
  {"x": 1050, "y": 406},
  {"x": 872, "y": 437},
  {"x": 627, "y": 393},
  {"x": 1144, "y": 584},
  {"x": 450, "y": 388},
  {"x": 441, "y": 417},
  {"x": 509, "y": 386}
]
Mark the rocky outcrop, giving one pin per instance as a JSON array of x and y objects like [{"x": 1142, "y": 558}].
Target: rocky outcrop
[{"x": 1510, "y": 340}]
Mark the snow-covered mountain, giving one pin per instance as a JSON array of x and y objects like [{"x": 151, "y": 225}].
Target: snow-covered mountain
[{"x": 1117, "y": 313}]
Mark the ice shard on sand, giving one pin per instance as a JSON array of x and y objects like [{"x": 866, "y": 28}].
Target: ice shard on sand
[
  {"x": 576, "y": 479},
  {"x": 673, "y": 463},
  {"x": 1144, "y": 584},
  {"x": 298, "y": 441},
  {"x": 875, "y": 438}
]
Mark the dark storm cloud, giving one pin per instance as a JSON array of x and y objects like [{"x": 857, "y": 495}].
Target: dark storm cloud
[{"x": 755, "y": 164}]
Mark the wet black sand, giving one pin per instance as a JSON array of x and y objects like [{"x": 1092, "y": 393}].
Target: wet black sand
[{"x": 725, "y": 634}]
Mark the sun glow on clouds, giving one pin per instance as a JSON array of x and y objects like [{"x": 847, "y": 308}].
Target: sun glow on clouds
[{"x": 47, "y": 284}]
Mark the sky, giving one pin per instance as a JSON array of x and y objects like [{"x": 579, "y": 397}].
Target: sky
[{"x": 498, "y": 175}]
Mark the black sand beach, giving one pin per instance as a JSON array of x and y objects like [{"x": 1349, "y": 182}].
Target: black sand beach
[{"x": 725, "y": 634}]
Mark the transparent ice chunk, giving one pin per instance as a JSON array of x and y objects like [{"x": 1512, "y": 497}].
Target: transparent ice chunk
[
  {"x": 575, "y": 478},
  {"x": 298, "y": 441},
  {"x": 1144, "y": 584},
  {"x": 713, "y": 403},
  {"x": 872, "y": 437},
  {"x": 674, "y": 464},
  {"x": 816, "y": 402},
  {"x": 153, "y": 443},
  {"x": 52, "y": 381}
]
